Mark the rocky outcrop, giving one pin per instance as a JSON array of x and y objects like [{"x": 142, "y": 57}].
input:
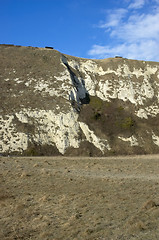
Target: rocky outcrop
[{"x": 52, "y": 103}]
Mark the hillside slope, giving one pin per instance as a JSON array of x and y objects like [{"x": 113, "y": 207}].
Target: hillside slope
[{"x": 52, "y": 103}]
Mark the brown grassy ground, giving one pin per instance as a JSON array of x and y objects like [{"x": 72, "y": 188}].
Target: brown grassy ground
[{"x": 79, "y": 198}]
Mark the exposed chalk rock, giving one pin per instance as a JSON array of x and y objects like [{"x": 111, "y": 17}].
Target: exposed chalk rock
[{"x": 44, "y": 94}]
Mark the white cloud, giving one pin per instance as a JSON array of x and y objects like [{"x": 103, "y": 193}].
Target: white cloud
[
  {"x": 135, "y": 32},
  {"x": 142, "y": 50},
  {"x": 138, "y": 27},
  {"x": 136, "y": 4},
  {"x": 114, "y": 18}
]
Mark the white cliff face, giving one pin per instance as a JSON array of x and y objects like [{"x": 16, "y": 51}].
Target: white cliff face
[
  {"x": 60, "y": 130},
  {"x": 139, "y": 92},
  {"x": 150, "y": 111},
  {"x": 101, "y": 144},
  {"x": 155, "y": 139},
  {"x": 122, "y": 86},
  {"x": 10, "y": 139},
  {"x": 59, "y": 125},
  {"x": 132, "y": 140}
]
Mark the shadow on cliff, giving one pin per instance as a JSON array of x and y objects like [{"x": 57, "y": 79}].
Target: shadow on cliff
[{"x": 79, "y": 94}]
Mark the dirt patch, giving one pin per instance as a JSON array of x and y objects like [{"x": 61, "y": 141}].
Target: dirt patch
[{"x": 79, "y": 198}]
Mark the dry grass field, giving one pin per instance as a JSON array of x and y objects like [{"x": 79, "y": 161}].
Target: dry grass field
[{"x": 59, "y": 198}]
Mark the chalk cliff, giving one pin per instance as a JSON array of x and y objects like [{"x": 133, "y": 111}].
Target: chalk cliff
[{"x": 52, "y": 103}]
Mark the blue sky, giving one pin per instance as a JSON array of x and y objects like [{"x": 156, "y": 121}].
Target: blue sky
[{"x": 84, "y": 28}]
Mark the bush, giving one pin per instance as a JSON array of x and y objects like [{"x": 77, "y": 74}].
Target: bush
[
  {"x": 96, "y": 102},
  {"x": 127, "y": 123}
]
